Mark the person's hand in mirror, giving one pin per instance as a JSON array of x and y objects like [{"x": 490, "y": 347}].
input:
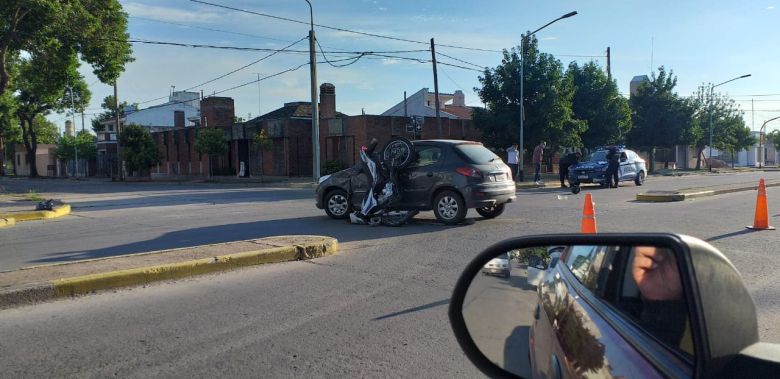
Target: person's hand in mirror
[{"x": 655, "y": 273}]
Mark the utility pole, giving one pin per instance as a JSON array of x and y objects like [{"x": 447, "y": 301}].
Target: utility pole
[
  {"x": 120, "y": 163},
  {"x": 609, "y": 65},
  {"x": 436, "y": 86},
  {"x": 75, "y": 139},
  {"x": 315, "y": 114},
  {"x": 405, "y": 112}
]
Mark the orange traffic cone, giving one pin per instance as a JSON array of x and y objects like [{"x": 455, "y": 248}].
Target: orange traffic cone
[
  {"x": 761, "y": 219},
  {"x": 588, "y": 216}
]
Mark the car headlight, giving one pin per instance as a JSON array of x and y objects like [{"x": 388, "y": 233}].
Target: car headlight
[{"x": 323, "y": 178}]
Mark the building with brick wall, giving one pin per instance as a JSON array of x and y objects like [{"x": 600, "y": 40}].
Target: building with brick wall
[{"x": 290, "y": 134}]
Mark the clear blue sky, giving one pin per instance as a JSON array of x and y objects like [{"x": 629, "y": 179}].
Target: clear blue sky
[{"x": 701, "y": 41}]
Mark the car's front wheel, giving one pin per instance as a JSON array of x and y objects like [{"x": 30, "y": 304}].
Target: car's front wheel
[
  {"x": 492, "y": 211},
  {"x": 640, "y": 178},
  {"x": 337, "y": 204},
  {"x": 449, "y": 207}
]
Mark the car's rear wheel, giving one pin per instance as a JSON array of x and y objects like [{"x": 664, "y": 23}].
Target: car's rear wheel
[
  {"x": 449, "y": 207},
  {"x": 640, "y": 178},
  {"x": 492, "y": 211},
  {"x": 337, "y": 204}
]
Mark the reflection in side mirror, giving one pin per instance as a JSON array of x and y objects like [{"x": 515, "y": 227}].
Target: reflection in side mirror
[{"x": 519, "y": 320}]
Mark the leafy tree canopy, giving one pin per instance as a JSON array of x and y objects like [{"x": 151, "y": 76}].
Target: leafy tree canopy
[{"x": 138, "y": 148}]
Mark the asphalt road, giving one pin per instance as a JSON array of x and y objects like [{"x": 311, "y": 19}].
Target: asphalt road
[{"x": 376, "y": 309}]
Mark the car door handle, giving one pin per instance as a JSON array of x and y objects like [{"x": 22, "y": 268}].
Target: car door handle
[{"x": 430, "y": 174}]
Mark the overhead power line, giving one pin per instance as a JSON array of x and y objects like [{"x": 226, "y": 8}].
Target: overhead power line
[{"x": 339, "y": 29}]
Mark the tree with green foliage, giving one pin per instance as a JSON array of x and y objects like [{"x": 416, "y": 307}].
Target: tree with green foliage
[
  {"x": 773, "y": 137},
  {"x": 84, "y": 142},
  {"x": 93, "y": 30},
  {"x": 109, "y": 113},
  {"x": 727, "y": 122},
  {"x": 733, "y": 136},
  {"x": 661, "y": 118},
  {"x": 138, "y": 148},
  {"x": 598, "y": 102},
  {"x": 548, "y": 93},
  {"x": 261, "y": 141},
  {"x": 211, "y": 141},
  {"x": 41, "y": 88}
]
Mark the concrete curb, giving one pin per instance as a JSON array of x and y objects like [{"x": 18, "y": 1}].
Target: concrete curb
[
  {"x": 39, "y": 215},
  {"x": 79, "y": 285},
  {"x": 694, "y": 193}
]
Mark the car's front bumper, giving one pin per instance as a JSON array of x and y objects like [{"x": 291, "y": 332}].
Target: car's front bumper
[
  {"x": 495, "y": 271},
  {"x": 589, "y": 177}
]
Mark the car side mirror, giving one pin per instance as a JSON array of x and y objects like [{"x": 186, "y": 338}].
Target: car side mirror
[{"x": 499, "y": 323}]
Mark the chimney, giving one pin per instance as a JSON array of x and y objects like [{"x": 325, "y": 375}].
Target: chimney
[
  {"x": 69, "y": 130},
  {"x": 459, "y": 99},
  {"x": 217, "y": 112},
  {"x": 327, "y": 100},
  {"x": 178, "y": 119}
]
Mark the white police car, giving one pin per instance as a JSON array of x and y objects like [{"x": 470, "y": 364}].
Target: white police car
[{"x": 592, "y": 168}]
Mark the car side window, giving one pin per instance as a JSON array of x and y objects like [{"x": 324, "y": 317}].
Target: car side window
[
  {"x": 643, "y": 284},
  {"x": 427, "y": 155},
  {"x": 583, "y": 261},
  {"x": 623, "y": 157}
]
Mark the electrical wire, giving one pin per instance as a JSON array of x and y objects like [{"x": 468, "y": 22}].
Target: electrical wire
[
  {"x": 460, "y": 60},
  {"x": 340, "y": 29}
]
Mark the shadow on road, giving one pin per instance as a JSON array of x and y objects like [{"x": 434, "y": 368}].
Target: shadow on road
[
  {"x": 414, "y": 309},
  {"x": 317, "y": 225},
  {"x": 732, "y": 234},
  {"x": 516, "y": 352}
]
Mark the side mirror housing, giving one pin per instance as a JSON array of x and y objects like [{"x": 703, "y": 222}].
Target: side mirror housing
[{"x": 721, "y": 316}]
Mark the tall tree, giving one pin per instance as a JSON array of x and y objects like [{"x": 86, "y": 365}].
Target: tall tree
[
  {"x": 94, "y": 30},
  {"x": 109, "y": 113},
  {"x": 41, "y": 89},
  {"x": 138, "y": 148},
  {"x": 598, "y": 102},
  {"x": 211, "y": 141},
  {"x": 548, "y": 94},
  {"x": 661, "y": 118},
  {"x": 726, "y": 116}
]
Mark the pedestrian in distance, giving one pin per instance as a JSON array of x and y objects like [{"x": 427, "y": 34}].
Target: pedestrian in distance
[
  {"x": 563, "y": 166},
  {"x": 512, "y": 159},
  {"x": 613, "y": 167},
  {"x": 537, "y": 161}
]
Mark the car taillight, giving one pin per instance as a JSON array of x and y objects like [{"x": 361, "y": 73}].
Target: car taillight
[{"x": 469, "y": 171}]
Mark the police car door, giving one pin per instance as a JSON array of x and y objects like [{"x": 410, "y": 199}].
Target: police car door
[{"x": 627, "y": 169}]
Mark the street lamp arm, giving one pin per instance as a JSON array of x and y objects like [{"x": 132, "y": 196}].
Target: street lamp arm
[
  {"x": 731, "y": 80},
  {"x": 311, "y": 14},
  {"x": 567, "y": 15}
]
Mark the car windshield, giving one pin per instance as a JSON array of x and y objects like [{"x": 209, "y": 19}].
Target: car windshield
[
  {"x": 476, "y": 154},
  {"x": 596, "y": 156}
]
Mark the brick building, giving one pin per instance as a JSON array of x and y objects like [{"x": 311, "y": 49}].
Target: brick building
[{"x": 289, "y": 132}]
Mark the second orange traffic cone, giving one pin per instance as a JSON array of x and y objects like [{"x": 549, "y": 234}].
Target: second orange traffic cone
[
  {"x": 761, "y": 219},
  {"x": 588, "y": 215}
]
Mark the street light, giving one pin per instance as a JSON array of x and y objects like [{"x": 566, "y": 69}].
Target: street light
[
  {"x": 75, "y": 144},
  {"x": 315, "y": 114},
  {"x": 761, "y": 139},
  {"x": 522, "y": 64},
  {"x": 712, "y": 88}
]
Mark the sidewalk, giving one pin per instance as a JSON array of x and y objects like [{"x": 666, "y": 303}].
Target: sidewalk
[{"x": 42, "y": 283}]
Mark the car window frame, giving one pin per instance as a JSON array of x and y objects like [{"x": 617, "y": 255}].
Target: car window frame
[
  {"x": 632, "y": 333},
  {"x": 415, "y": 163}
]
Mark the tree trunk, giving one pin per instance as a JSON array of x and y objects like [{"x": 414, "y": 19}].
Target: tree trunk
[
  {"x": 699, "y": 152},
  {"x": 30, "y": 140},
  {"x": 732, "y": 158},
  {"x": 651, "y": 170}
]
